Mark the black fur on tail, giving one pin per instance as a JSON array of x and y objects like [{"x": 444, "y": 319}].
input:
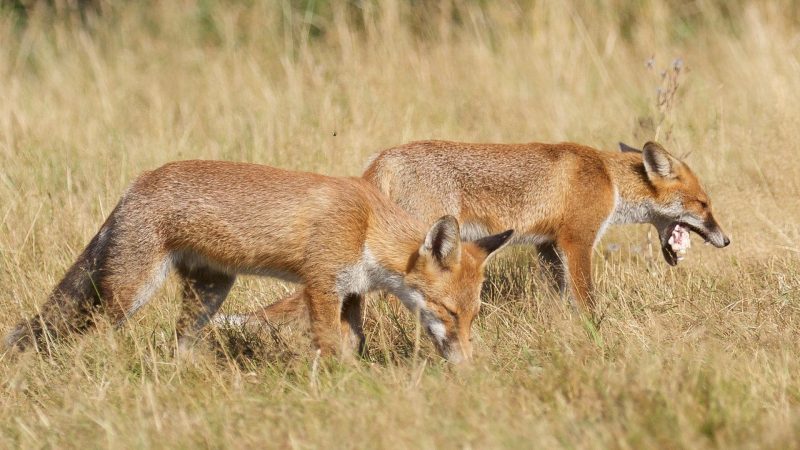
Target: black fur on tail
[{"x": 73, "y": 302}]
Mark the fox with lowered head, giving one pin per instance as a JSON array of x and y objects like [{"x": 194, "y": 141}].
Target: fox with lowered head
[{"x": 209, "y": 221}]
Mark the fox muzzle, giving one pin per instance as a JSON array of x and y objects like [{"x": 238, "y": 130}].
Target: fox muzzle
[{"x": 714, "y": 234}]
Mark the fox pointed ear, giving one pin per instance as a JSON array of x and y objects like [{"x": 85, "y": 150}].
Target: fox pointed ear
[
  {"x": 493, "y": 243},
  {"x": 443, "y": 242},
  {"x": 625, "y": 148},
  {"x": 658, "y": 162}
]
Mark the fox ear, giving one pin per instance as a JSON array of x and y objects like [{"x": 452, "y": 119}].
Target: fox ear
[
  {"x": 443, "y": 242},
  {"x": 625, "y": 148},
  {"x": 658, "y": 162},
  {"x": 493, "y": 243}
]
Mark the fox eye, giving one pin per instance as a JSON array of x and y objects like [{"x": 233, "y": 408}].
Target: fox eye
[{"x": 703, "y": 204}]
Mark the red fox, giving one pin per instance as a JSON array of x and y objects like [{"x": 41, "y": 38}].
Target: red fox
[
  {"x": 212, "y": 220},
  {"x": 558, "y": 197}
]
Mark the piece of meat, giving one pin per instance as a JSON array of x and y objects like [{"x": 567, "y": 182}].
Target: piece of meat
[{"x": 680, "y": 241}]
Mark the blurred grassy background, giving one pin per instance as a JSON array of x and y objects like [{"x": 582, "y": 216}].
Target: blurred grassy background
[{"x": 703, "y": 355}]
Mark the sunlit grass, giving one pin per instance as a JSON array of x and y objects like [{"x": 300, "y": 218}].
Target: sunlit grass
[{"x": 702, "y": 355}]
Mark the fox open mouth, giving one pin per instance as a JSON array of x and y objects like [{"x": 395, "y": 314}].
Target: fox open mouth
[{"x": 675, "y": 241}]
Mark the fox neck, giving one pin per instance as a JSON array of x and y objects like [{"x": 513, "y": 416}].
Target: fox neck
[
  {"x": 393, "y": 240},
  {"x": 393, "y": 237},
  {"x": 637, "y": 200}
]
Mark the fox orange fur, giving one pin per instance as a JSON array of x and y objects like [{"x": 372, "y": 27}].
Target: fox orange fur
[
  {"x": 559, "y": 197},
  {"x": 212, "y": 220}
]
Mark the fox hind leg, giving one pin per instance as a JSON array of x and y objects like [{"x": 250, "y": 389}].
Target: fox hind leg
[
  {"x": 203, "y": 290},
  {"x": 130, "y": 277},
  {"x": 352, "y": 322},
  {"x": 552, "y": 263}
]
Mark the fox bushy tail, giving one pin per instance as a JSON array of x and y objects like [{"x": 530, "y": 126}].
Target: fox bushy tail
[{"x": 72, "y": 304}]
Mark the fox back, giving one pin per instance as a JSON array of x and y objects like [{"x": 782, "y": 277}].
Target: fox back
[{"x": 488, "y": 186}]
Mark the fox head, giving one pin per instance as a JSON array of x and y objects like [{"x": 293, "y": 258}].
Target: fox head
[
  {"x": 448, "y": 274},
  {"x": 679, "y": 199}
]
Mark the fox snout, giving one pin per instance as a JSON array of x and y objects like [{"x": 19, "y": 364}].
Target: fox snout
[
  {"x": 456, "y": 353},
  {"x": 717, "y": 238},
  {"x": 450, "y": 347},
  {"x": 714, "y": 233},
  {"x": 706, "y": 227}
]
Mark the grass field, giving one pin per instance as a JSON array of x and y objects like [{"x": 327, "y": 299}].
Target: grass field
[{"x": 703, "y": 355}]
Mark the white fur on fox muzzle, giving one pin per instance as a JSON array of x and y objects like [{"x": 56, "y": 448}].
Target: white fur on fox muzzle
[
  {"x": 454, "y": 353},
  {"x": 436, "y": 330},
  {"x": 450, "y": 349},
  {"x": 456, "y": 357}
]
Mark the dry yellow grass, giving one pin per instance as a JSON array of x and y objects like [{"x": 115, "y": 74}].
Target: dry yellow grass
[{"x": 703, "y": 355}]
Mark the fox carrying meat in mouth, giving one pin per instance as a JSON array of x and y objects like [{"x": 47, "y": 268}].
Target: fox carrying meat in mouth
[{"x": 680, "y": 204}]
